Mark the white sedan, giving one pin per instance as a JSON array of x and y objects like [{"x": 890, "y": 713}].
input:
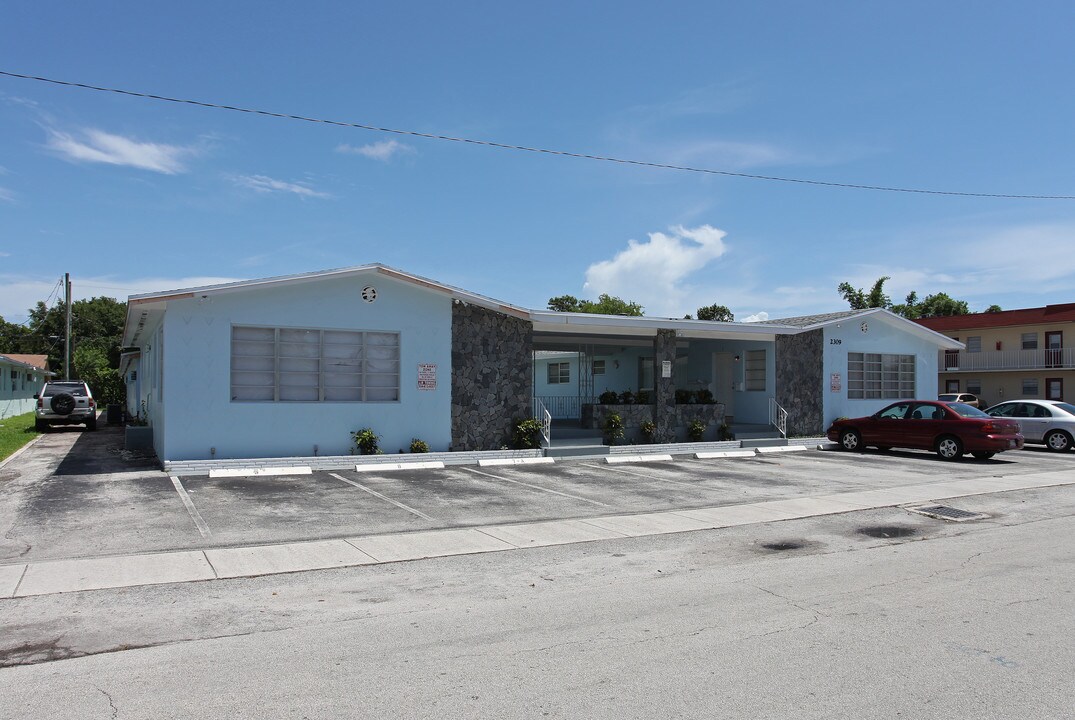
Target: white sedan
[{"x": 1041, "y": 421}]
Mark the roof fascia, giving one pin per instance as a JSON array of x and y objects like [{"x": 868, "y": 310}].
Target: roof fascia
[
  {"x": 940, "y": 339},
  {"x": 585, "y": 323}
]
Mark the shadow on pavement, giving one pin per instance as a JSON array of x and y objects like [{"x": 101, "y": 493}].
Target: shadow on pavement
[{"x": 101, "y": 451}]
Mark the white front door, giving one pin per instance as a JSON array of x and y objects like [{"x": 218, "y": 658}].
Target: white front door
[{"x": 723, "y": 385}]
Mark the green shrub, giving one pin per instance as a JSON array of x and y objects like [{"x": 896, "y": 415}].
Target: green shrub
[
  {"x": 704, "y": 396},
  {"x": 643, "y": 397},
  {"x": 627, "y": 398},
  {"x": 695, "y": 430},
  {"x": 725, "y": 432},
  {"x": 649, "y": 429},
  {"x": 367, "y": 441},
  {"x": 609, "y": 398},
  {"x": 613, "y": 428},
  {"x": 527, "y": 434},
  {"x": 683, "y": 397},
  {"x": 419, "y": 446}
]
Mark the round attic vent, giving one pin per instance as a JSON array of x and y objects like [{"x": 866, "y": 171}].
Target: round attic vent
[{"x": 369, "y": 293}]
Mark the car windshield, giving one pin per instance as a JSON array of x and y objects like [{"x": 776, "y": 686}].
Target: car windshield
[
  {"x": 76, "y": 389},
  {"x": 947, "y": 398},
  {"x": 1066, "y": 407},
  {"x": 966, "y": 410}
]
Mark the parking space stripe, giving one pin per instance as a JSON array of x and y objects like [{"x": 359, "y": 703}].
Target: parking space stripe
[
  {"x": 535, "y": 487},
  {"x": 189, "y": 505},
  {"x": 646, "y": 477},
  {"x": 376, "y": 494}
]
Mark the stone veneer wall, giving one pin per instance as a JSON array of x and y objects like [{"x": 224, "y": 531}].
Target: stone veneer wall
[
  {"x": 664, "y": 393},
  {"x": 492, "y": 376},
  {"x": 800, "y": 365}
]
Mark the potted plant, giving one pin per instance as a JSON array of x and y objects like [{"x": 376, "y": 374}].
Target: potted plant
[{"x": 648, "y": 428}]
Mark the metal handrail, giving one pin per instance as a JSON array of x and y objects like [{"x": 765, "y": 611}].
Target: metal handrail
[
  {"x": 778, "y": 418},
  {"x": 545, "y": 419}
]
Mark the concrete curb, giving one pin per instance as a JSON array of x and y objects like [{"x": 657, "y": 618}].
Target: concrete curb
[{"x": 19, "y": 452}]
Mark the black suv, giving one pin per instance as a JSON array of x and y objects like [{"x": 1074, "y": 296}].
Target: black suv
[{"x": 65, "y": 403}]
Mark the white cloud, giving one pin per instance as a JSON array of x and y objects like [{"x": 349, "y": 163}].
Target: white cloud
[
  {"x": 265, "y": 184},
  {"x": 756, "y": 317},
  {"x": 384, "y": 150},
  {"x": 651, "y": 272},
  {"x": 97, "y": 146},
  {"x": 6, "y": 195}
]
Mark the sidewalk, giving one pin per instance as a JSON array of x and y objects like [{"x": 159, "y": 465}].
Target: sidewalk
[{"x": 59, "y": 576}]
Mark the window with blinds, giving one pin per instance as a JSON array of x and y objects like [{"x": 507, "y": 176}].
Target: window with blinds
[
  {"x": 876, "y": 376},
  {"x": 754, "y": 370},
  {"x": 312, "y": 365}
]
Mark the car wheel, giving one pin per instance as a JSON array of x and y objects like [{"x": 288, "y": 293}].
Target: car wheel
[
  {"x": 1058, "y": 441},
  {"x": 91, "y": 424},
  {"x": 950, "y": 448},
  {"x": 984, "y": 455},
  {"x": 851, "y": 440},
  {"x": 63, "y": 404},
  {"x": 41, "y": 425}
]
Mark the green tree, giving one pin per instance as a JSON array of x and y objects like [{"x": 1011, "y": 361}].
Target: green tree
[
  {"x": 716, "y": 313},
  {"x": 859, "y": 299},
  {"x": 936, "y": 305},
  {"x": 14, "y": 338},
  {"x": 564, "y": 303},
  {"x": 604, "y": 305},
  {"x": 97, "y": 322},
  {"x": 994, "y": 308},
  {"x": 90, "y": 363}
]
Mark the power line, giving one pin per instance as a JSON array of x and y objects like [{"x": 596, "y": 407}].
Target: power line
[{"x": 524, "y": 148}]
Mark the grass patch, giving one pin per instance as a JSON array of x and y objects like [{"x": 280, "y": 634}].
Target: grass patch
[{"x": 15, "y": 432}]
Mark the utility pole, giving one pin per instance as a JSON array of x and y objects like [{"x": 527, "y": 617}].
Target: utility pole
[{"x": 67, "y": 326}]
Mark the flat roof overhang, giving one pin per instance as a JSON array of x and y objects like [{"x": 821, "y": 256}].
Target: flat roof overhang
[{"x": 564, "y": 327}]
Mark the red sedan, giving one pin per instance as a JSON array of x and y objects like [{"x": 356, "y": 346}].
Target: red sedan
[{"x": 949, "y": 429}]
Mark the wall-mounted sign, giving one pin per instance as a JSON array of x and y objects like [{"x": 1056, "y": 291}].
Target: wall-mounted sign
[
  {"x": 834, "y": 382},
  {"x": 427, "y": 376},
  {"x": 666, "y": 368}
]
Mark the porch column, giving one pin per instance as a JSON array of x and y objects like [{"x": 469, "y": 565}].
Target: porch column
[{"x": 664, "y": 389}]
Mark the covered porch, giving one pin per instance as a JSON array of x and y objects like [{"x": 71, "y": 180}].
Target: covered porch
[{"x": 659, "y": 374}]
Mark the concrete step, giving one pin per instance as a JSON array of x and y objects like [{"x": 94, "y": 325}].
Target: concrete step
[
  {"x": 764, "y": 442},
  {"x": 560, "y": 451}
]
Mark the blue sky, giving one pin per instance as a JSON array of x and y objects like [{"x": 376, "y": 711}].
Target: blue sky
[{"x": 132, "y": 195}]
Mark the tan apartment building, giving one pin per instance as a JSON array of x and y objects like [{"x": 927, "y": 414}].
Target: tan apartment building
[{"x": 1009, "y": 355}]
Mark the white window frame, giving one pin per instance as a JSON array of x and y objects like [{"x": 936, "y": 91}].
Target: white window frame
[
  {"x": 598, "y": 367},
  {"x": 1029, "y": 341},
  {"x": 974, "y": 344},
  {"x": 288, "y": 364},
  {"x": 1031, "y": 387},
  {"x": 559, "y": 373},
  {"x": 878, "y": 376},
  {"x": 754, "y": 371}
]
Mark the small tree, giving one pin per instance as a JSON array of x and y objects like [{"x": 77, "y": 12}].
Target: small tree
[
  {"x": 715, "y": 313},
  {"x": 613, "y": 428}
]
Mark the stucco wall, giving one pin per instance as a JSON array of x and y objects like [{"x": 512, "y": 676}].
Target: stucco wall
[
  {"x": 799, "y": 381},
  {"x": 880, "y": 336},
  {"x": 20, "y": 398},
  {"x": 492, "y": 361},
  {"x": 198, "y": 413}
]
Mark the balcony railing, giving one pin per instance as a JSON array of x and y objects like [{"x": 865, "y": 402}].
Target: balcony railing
[{"x": 1061, "y": 358}]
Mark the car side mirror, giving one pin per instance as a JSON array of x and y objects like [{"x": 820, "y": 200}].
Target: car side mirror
[{"x": 37, "y": 396}]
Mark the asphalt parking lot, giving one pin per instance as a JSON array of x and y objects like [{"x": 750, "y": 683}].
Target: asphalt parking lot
[{"x": 77, "y": 495}]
